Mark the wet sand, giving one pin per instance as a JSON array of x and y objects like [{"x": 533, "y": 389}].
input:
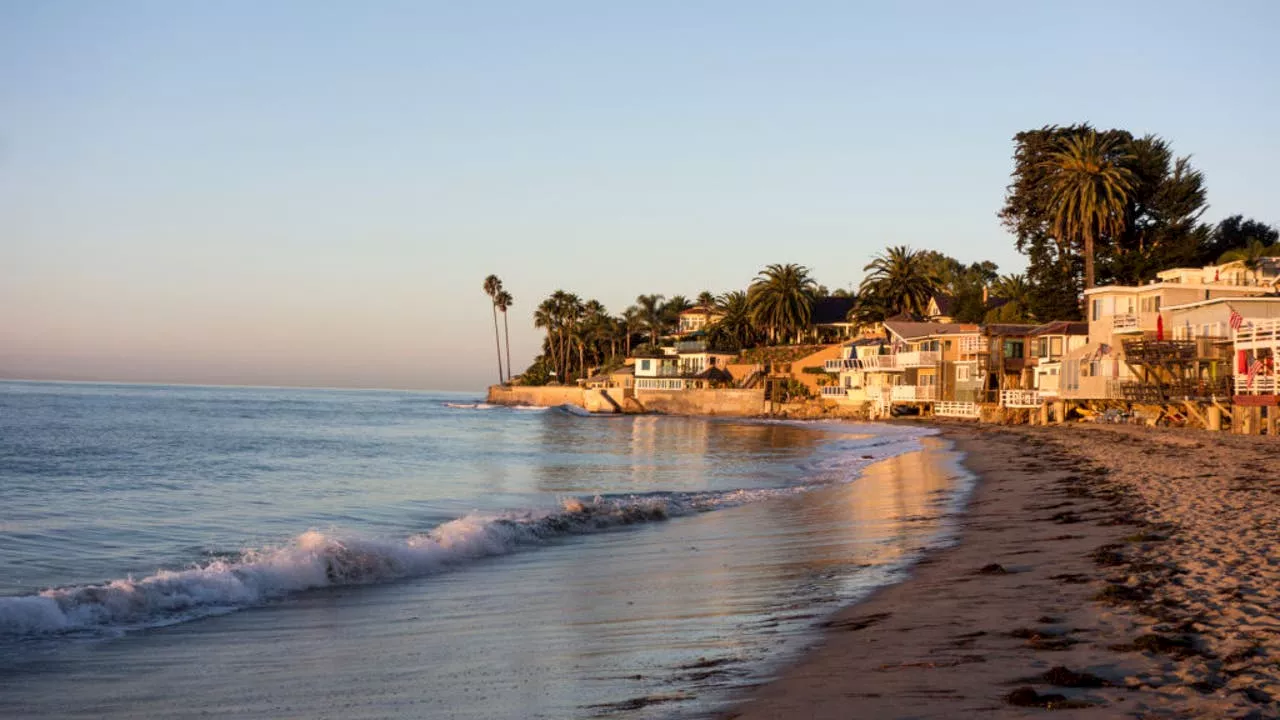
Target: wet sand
[{"x": 1102, "y": 571}]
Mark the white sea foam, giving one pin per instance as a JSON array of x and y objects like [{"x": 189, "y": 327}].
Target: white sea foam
[{"x": 316, "y": 560}]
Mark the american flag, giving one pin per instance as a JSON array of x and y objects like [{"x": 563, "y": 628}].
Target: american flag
[
  {"x": 1236, "y": 321},
  {"x": 1254, "y": 369}
]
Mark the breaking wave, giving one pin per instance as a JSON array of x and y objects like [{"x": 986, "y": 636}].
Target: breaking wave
[{"x": 317, "y": 560}]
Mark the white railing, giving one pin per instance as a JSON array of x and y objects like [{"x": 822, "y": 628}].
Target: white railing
[
  {"x": 913, "y": 393},
  {"x": 951, "y": 408},
  {"x": 840, "y": 365},
  {"x": 875, "y": 363},
  {"x": 1255, "y": 334},
  {"x": 918, "y": 358},
  {"x": 1125, "y": 322},
  {"x": 834, "y": 391},
  {"x": 644, "y": 383},
  {"x": 973, "y": 345},
  {"x": 1261, "y": 385},
  {"x": 1020, "y": 398}
]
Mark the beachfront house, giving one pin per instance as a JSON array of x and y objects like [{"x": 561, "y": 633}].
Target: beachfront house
[
  {"x": 926, "y": 354},
  {"x": 698, "y": 318},
  {"x": 1255, "y": 352},
  {"x": 1098, "y": 370},
  {"x": 829, "y": 319},
  {"x": 688, "y": 365},
  {"x": 865, "y": 372},
  {"x": 1048, "y": 344}
]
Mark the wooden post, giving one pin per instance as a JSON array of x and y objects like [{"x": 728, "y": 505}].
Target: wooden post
[
  {"x": 1255, "y": 420},
  {"x": 1044, "y": 413},
  {"x": 1273, "y": 419},
  {"x": 1215, "y": 418},
  {"x": 1060, "y": 411}
]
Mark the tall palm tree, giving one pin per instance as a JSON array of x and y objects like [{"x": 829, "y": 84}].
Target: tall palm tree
[
  {"x": 781, "y": 300},
  {"x": 631, "y": 324},
  {"x": 651, "y": 317},
  {"x": 900, "y": 280},
  {"x": 1250, "y": 256},
  {"x": 493, "y": 286},
  {"x": 503, "y": 302},
  {"x": 735, "y": 330},
  {"x": 706, "y": 298},
  {"x": 1089, "y": 187}
]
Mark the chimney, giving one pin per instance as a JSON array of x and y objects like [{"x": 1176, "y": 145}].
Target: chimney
[{"x": 985, "y": 296}]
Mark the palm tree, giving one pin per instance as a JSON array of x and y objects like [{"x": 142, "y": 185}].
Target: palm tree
[
  {"x": 1250, "y": 256},
  {"x": 706, "y": 298},
  {"x": 493, "y": 286},
  {"x": 651, "y": 318},
  {"x": 631, "y": 324},
  {"x": 900, "y": 280},
  {"x": 735, "y": 330},
  {"x": 781, "y": 300},
  {"x": 1013, "y": 288},
  {"x": 503, "y": 301},
  {"x": 1089, "y": 188}
]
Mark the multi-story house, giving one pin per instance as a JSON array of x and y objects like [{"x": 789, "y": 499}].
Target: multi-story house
[{"x": 1097, "y": 369}]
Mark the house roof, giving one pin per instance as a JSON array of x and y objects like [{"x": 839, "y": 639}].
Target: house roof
[
  {"x": 715, "y": 374},
  {"x": 911, "y": 330},
  {"x": 648, "y": 354},
  {"x": 624, "y": 370},
  {"x": 702, "y": 310},
  {"x": 831, "y": 310},
  {"x": 946, "y": 303},
  {"x": 1061, "y": 327},
  {"x": 1008, "y": 329},
  {"x": 862, "y": 342}
]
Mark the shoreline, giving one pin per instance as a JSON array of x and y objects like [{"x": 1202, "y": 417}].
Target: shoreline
[{"x": 1099, "y": 570}]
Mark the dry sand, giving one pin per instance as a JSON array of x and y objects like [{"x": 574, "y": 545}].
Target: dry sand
[{"x": 1103, "y": 571}]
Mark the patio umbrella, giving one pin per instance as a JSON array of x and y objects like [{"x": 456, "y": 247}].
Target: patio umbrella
[{"x": 1159, "y": 327}]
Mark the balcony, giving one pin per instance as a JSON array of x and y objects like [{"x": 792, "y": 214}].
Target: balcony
[
  {"x": 973, "y": 345},
  {"x": 1261, "y": 385},
  {"x": 834, "y": 392},
  {"x": 1021, "y": 398},
  {"x": 951, "y": 408},
  {"x": 691, "y": 346},
  {"x": 1126, "y": 323},
  {"x": 918, "y": 358},
  {"x": 913, "y": 393},
  {"x": 840, "y": 365},
  {"x": 1258, "y": 334},
  {"x": 880, "y": 363},
  {"x": 659, "y": 384}
]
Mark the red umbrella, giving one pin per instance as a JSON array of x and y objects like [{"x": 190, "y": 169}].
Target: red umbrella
[{"x": 1159, "y": 327}]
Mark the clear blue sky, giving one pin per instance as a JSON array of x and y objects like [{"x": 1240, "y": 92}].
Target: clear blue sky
[{"x": 292, "y": 192}]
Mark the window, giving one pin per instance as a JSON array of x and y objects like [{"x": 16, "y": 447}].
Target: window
[
  {"x": 946, "y": 345},
  {"x": 1097, "y": 309},
  {"x": 1013, "y": 349},
  {"x": 1055, "y": 346},
  {"x": 963, "y": 373},
  {"x": 644, "y": 364}
]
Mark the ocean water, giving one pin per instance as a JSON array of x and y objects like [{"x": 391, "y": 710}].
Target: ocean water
[{"x": 248, "y": 552}]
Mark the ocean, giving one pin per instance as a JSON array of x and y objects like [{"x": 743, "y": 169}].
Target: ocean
[{"x": 177, "y": 551}]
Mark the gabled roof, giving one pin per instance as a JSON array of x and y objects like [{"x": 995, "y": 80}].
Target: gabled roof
[
  {"x": 1008, "y": 329},
  {"x": 1061, "y": 327},
  {"x": 863, "y": 342},
  {"x": 913, "y": 330},
  {"x": 945, "y": 303},
  {"x": 831, "y": 310},
  {"x": 715, "y": 374},
  {"x": 702, "y": 310}
]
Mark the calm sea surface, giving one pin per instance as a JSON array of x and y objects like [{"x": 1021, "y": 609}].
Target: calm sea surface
[{"x": 236, "y": 552}]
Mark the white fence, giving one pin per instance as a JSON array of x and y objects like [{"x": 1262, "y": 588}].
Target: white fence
[
  {"x": 659, "y": 384},
  {"x": 951, "y": 408},
  {"x": 834, "y": 392},
  {"x": 1021, "y": 398}
]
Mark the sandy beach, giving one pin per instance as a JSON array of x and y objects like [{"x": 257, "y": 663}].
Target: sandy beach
[{"x": 1102, "y": 571}]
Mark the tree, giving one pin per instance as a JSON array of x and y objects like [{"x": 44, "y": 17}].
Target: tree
[
  {"x": 781, "y": 300},
  {"x": 671, "y": 310},
  {"x": 1250, "y": 256},
  {"x": 706, "y": 298},
  {"x": 900, "y": 280},
  {"x": 560, "y": 316},
  {"x": 1016, "y": 293},
  {"x": 631, "y": 324},
  {"x": 1090, "y": 186},
  {"x": 735, "y": 330},
  {"x": 1234, "y": 233},
  {"x": 650, "y": 315},
  {"x": 503, "y": 301},
  {"x": 493, "y": 286}
]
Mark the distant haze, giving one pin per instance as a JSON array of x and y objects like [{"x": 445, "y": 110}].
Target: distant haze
[{"x": 292, "y": 193}]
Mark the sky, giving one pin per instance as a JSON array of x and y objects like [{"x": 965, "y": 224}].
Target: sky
[{"x": 311, "y": 193}]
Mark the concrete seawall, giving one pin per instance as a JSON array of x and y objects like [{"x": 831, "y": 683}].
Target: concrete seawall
[{"x": 728, "y": 402}]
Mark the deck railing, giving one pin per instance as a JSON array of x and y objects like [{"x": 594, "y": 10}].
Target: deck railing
[
  {"x": 1020, "y": 398},
  {"x": 1255, "y": 334},
  {"x": 913, "y": 393},
  {"x": 1125, "y": 322},
  {"x": 834, "y": 392},
  {"x": 918, "y": 358},
  {"x": 1261, "y": 385},
  {"x": 840, "y": 365},
  {"x": 659, "y": 384},
  {"x": 973, "y": 345}
]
